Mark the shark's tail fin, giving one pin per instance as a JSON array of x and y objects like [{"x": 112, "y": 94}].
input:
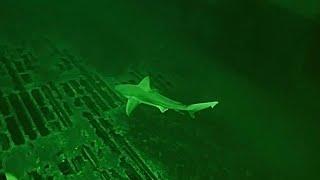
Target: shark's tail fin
[{"x": 200, "y": 106}]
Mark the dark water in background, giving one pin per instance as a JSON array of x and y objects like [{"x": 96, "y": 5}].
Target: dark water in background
[{"x": 259, "y": 59}]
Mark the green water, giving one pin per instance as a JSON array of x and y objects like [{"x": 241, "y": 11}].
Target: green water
[{"x": 260, "y": 60}]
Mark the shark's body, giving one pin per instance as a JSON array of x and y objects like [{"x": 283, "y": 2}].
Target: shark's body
[
  {"x": 143, "y": 94},
  {"x": 10, "y": 176}
]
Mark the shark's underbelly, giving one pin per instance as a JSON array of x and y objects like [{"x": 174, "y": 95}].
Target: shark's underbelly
[
  {"x": 165, "y": 104},
  {"x": 157, "y": 100}
]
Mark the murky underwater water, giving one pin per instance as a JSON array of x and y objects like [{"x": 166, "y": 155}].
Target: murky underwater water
[{"x": 61, "y": 119}]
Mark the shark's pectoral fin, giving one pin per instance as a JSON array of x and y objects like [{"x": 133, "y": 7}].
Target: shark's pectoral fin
[
  {"x": 131, "y": 105},
  {"x": 162, "y": 109}
]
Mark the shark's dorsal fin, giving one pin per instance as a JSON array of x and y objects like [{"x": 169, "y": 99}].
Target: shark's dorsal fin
[
  {"x": 131, "y": 105},
  {"x": 145, "y": 84}
]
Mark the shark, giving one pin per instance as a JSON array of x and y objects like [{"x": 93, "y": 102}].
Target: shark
[
  {"x": 9, "y": 176},
  {"x": 143, "y": 93}
]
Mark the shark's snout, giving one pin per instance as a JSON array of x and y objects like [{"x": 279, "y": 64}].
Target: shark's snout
[
  {"x": 127, "y": 89},
  {"x": 123, "y": 89},
  {"x": 119, "y": 88}
]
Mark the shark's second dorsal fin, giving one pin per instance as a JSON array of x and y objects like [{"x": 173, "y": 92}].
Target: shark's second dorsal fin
[{"x": 145, "y": 84}]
